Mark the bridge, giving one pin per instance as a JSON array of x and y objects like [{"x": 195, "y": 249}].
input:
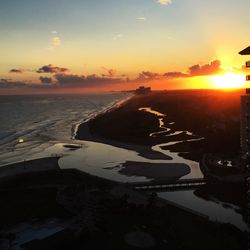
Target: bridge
[{"x": 183, "y": 184}]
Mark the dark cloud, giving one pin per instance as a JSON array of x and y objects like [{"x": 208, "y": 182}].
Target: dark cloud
[
  {"x": 52, "y": 69},
  {"x": 84, "y": 81},
  {"x": 46, "y": 80},
  {"x": 110, "y": 72},
  {"x": 197, "y": 70},
  {"x": 62, "y": 79},
  {"x": 5, "y": 80},
  {"x": 7, "y": 83},
  {"x": 17, "y": 71},
  {"x": 207, "y": 69},
  {"x": 148, "y": 75},
  {"x": 175, "y": 75}
]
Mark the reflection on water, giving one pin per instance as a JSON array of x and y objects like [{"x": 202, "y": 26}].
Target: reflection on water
[
  {"x": 97, "y": 159},
  {"x": 151, "y": 111},
  {"x": 215, "y": 211},
  {"x": 194, "y": 166}
]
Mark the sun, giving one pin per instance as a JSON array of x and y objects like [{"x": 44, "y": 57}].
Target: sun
[{"x": 228, "y": 80}]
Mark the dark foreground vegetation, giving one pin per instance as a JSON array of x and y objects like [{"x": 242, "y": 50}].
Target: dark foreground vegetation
[
  {"x": 100, "y": 214},
  {"x": 212, "y": 115}
]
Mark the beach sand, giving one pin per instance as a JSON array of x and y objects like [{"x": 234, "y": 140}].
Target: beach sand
[
  {"x": 86, "y": 134},
  {"x": 155, "y": 171}
]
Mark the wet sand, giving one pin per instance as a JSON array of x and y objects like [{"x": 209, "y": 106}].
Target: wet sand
[
  {"x": 155, "y": 171},
  {"x": 86, "y": 134}
]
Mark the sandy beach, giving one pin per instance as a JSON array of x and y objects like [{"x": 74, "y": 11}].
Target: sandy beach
[
  {"x": 86, "y": 134},
  {"x": 155, "y": 171}
]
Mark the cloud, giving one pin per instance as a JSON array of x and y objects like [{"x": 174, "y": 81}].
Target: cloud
[
  {"x": 207, "y": 69},
  {"x": 55, "y": 41},
  {"x": 46, "y": 80},
  {"x": 110, "y": 72},
  {"x": 17, "y": 71},
  {"x": 164, "y": 2},
  {"x": 53, "y": 32},
  {"x": 84, "y": 81},
  {"x": 142, "y": 18},
  {"x": 62, "y": 79},
  {"x": 175, "y": 75},
  {"x": 52, "y": 69},
  {"x": 148, "y": 75},
  {"x": 7, "y": 83},
  {"x": 211, "y": 68}
]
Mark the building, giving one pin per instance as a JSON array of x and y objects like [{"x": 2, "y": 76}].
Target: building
[
  {"x": 245, "y": 115},
  {"x": 245, "y": 123},
  {"x": 143, "y": 90}
]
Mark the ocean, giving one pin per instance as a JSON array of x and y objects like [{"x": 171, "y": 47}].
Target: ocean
[{"x": 30, "y": 124}]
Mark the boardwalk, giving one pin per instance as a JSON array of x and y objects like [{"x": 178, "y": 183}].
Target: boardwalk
[{"x": 170, "y": 185}]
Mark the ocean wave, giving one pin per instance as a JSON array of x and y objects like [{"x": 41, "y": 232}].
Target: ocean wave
[{"x": 45, "y": 119}]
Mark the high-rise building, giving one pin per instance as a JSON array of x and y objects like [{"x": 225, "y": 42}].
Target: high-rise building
[
  {"x": 245, "y": 114},
  {"x": 245, "y": 139},
  {"x": 245, "y": 123}
]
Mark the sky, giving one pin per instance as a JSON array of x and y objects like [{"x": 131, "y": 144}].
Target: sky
[{"x": 101, "y": 45}]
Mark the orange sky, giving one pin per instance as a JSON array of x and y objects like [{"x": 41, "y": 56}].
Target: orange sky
[{"x": 119, "y": 45}]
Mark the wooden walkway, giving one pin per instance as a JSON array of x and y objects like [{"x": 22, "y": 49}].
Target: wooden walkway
[{"x": 183, "y": 184}]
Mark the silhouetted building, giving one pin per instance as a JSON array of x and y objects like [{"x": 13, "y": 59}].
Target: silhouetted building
[
  {"x": 245, "y": 115},
  {"x": 245, "y": 122},
  {"x": 143, "y": 90},
  {"x": 245, "y": 51}
]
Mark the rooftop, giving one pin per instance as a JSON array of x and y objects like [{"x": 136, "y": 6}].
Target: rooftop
[{"x": 245, "y": 51}]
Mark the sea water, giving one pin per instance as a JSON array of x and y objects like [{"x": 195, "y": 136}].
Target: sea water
[{"x": 30, "y": 124}]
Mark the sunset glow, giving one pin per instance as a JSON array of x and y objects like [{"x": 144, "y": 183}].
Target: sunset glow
[
  {"x": 93, "y": 46},
  {"x": 124, "y": 124},
  {"x": 228, "y": 81}
]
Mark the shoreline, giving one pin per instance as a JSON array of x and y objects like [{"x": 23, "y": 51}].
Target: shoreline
[
  {"x": 89, "y": 131},
  {"x": 109, "y": 108},
  {"x": 142, "y": 150},
  {"x": 50, "y": 125}
]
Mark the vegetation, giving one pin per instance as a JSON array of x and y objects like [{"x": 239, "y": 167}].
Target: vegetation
[{"x": 212, "y": 115}]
